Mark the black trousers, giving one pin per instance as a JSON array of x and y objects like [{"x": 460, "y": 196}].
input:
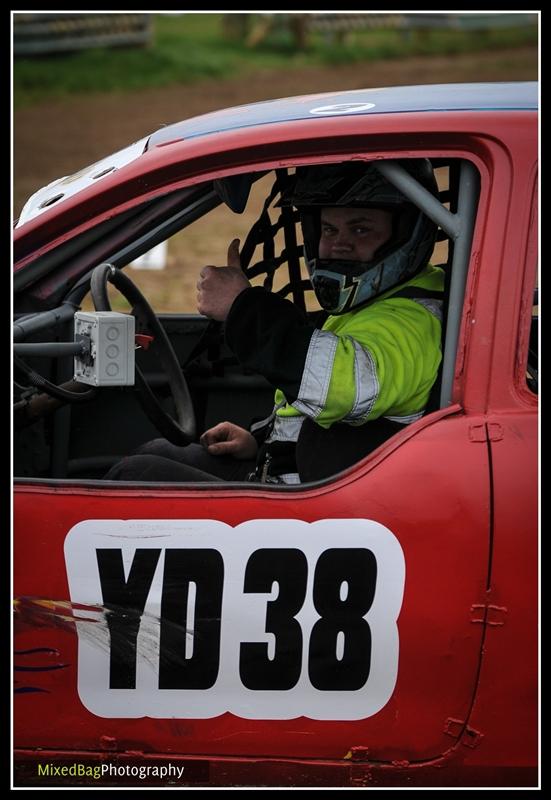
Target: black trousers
[
  {"x": 319, "y": 454},
  {"x": 159, "y": 460}
]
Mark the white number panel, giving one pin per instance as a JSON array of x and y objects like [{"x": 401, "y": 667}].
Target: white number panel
[{"x": 272, "y": 619}]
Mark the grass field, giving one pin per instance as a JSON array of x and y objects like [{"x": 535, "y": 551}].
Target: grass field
[{"x": 189, "y": 47}]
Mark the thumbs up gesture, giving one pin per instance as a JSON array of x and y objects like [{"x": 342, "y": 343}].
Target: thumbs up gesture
[
  {"x": 218, "y": 287},
  {"x": 234, "y": 259}
]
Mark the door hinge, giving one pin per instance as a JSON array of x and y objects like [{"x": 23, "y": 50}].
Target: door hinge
[
  {"x": 458, "y": 729},
  {"x": 486, "y": 432},
  {"x": 478, "y": 433},
  {"x": 494, "y": 616},
  {"x": 495, "y": 431}
]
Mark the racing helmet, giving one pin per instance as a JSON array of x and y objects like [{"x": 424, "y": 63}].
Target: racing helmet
[{"x": 341, "y": 285}]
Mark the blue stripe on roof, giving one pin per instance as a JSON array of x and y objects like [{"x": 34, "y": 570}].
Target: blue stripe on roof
[{"x": 396, "y": 99}]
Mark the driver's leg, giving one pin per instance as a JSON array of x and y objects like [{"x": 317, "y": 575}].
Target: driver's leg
[
  {"x": 194, "y": 455},
  {"x": 162, "y": 447},
  {"x": 166, "y": 470}
]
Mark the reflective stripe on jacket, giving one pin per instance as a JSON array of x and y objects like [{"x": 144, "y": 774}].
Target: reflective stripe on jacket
[{"x": 380, "y": 360}]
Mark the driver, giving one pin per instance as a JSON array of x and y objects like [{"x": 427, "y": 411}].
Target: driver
[{"x": 366, "y": 372}]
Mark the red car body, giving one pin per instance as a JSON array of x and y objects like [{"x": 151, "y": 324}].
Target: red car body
[{"x": 449, "y": 505}]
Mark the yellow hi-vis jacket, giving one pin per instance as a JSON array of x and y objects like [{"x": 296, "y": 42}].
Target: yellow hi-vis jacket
[{"x": 379, "y": 360}]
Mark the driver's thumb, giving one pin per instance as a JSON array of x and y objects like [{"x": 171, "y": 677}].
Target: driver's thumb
[{"x": 234, "y": 259}]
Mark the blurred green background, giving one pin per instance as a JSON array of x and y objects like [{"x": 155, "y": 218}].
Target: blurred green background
[{"x": 184, "y": 48}]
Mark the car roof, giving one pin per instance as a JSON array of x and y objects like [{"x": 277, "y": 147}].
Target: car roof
[
  {"x": 442, "y": 98},
  {"x": 394, "y": 99}
]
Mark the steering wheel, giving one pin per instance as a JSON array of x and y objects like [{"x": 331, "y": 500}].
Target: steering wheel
[{"x": 179, "y": 431}]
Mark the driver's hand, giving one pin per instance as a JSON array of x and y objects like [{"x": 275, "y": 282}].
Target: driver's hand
[
  {"x": 218, "y": 287},
  {"x": 228, "y": 439}
]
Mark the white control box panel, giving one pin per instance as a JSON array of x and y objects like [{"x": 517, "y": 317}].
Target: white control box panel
[{"x": 110, "y": 360}]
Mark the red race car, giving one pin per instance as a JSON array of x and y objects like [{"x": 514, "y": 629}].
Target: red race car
[{"x": 377, "y": 627}]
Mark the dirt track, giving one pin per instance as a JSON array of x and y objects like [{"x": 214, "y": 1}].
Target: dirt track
[{"x": 59, "y": 138}]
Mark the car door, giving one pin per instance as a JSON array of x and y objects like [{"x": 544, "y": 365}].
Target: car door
[{"x": 398, "y": 539}]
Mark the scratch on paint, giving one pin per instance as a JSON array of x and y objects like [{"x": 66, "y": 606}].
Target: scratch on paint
[{"x": 92, "y": 622}]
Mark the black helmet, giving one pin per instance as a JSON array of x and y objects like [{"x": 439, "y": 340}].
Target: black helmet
[{"x": 342, "y": 285}]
